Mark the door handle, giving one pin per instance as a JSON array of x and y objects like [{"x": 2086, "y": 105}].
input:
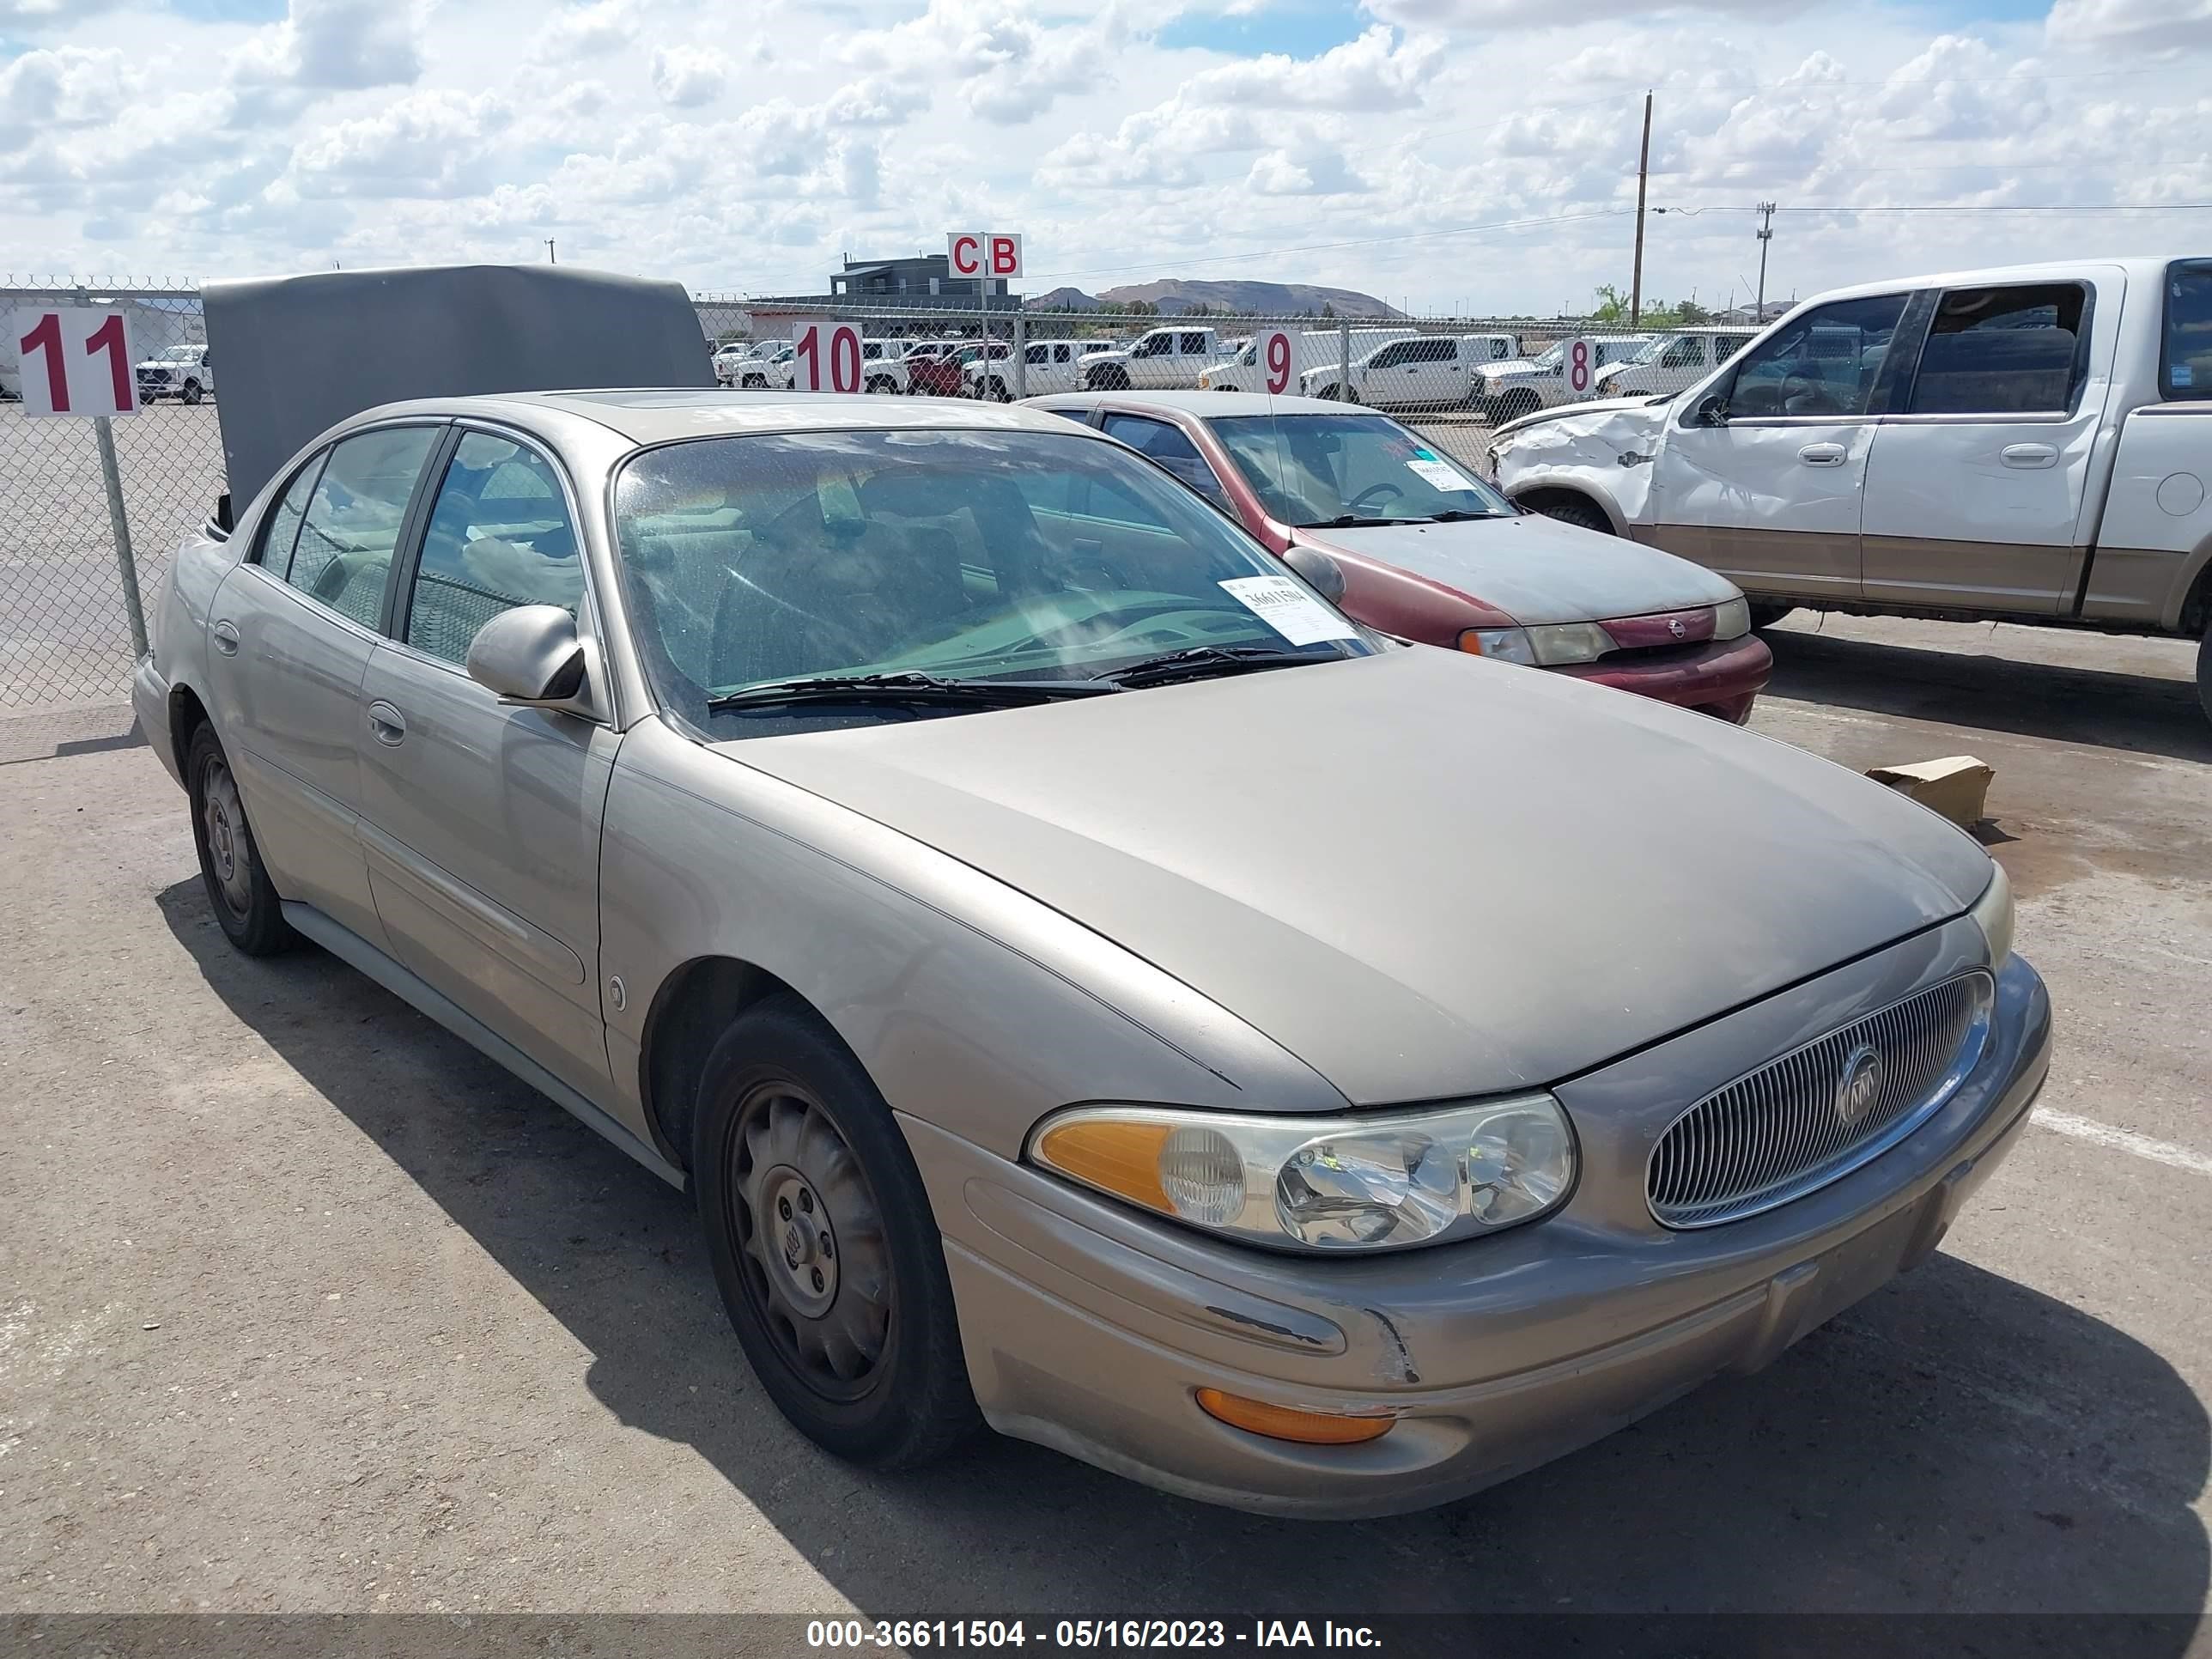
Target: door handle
[
  {"x": 226, "y": 637},
  {"x": 389, "y": 724},
  {"x": 1821, "y": 454},
  {"x": 2028, "y": 455}
]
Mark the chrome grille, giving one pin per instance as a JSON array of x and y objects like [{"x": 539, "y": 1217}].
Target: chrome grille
[{"x": 1778, "y": 1133}]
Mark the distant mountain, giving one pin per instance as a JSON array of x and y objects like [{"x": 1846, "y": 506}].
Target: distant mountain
[{"x": 1176, "y": 295}]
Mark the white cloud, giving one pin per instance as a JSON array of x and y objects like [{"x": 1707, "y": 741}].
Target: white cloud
[
  {"x": 69, "y": 86},
  {"x": 335, "y": 46},
  {"x": 592, "y": 30},
  {"x": 1377, "y": 71},
  {"x": 1006, "y": 65},
  {"x": 686, "y": 76},
  {"x": 1520, "y": 15},
  {"x": 426, "y": 143},
  {"x": 2172, "y": 24}
]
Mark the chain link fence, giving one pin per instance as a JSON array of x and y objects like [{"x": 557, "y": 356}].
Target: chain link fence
[{"x": 64, "y": 626}]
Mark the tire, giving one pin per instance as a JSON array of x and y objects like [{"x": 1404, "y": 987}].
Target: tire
[
  {"x": 1574, "y": 510},
  {"x": 1113, "y": 378},
  {"x": 789, "y": 1126},
  {"x": 883, "y": 386},
  {"x": 755, "y": 383},
  {"x": 996, "y": 391},
  {"x": 1764, "y": 613},
  {"x": 1329, "y": 393},
  {"x": 2204, "y": 671},
  {"x": 245, "y": 905},
  {"x": 191, "y": 393},
  {"x": 1513, "y": 404}
]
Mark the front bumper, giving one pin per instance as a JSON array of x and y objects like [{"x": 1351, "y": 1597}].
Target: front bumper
[
  {"x": 1722, "y": 676},
  {"x": 1089, "y": 1328}
]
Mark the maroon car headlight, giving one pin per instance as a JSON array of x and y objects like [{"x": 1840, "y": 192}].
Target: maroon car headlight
[
  {"x": 1378, "y": 1182},
  {"x": 1546, "y": 645},
  {"x": 1732, "y": 618}
]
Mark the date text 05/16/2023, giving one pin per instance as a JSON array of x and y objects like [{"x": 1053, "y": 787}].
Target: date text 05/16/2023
[{"x": 916, "y": 1633}]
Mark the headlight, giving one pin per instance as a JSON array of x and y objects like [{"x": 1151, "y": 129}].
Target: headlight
[
  {"x": 1328, "y": 1184},
  {"x": 1732, "y": 618},
  {"x": 1546, "y": 645},
  {"x": 1992, "y": 913},
  {"x": 1506, "y": 644}
]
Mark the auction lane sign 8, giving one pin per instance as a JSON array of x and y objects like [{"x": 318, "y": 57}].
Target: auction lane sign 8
[
  {"x": 1580, "y": 366},
  {"x": 992, "y": 254},
  {"x": 75, "y": 360}
]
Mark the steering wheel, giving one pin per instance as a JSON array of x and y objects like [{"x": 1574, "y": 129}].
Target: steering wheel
[
  {"x": 1806, "y": 394},
  {"x": 1385, "y": 490}
]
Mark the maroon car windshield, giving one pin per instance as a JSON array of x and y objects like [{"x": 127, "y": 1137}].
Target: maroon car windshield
[{"x": 1351, "y": 469}]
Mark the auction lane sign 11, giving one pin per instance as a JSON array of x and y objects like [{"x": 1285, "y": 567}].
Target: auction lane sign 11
[{"x": 75, "y": 360}]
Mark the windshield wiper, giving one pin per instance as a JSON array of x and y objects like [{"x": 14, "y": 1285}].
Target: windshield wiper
[
  {"x": 1460, "y": 515},
  {"x": 1201, "y": 662},
  {"x": 906, "y": 687},
  {"x": 1353, "y": 521}
]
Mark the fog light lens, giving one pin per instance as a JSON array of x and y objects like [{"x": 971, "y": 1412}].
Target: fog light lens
[{"x": 1286, "y": 1423}]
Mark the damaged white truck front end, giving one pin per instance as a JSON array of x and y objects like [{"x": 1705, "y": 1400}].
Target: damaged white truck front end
[{"x": 1589, "y": 464}]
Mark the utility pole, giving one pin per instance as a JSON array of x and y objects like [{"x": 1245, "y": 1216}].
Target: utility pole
[
  {"x": 1766, "y": 235},
  {"x": 1642, "y": 179},
  {"x": 549, "y": 259}
]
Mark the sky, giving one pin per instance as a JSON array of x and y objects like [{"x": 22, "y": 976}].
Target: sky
[{"x": 1473, "y": 157}]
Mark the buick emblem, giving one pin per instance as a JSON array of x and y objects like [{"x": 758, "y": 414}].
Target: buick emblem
[{"x": 1860, "y": 1086}]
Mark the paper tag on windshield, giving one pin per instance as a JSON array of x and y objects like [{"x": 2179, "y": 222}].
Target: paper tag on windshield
[
  {"x": 1289, "y": 610},
  {"x": 1437, "y": 473}
]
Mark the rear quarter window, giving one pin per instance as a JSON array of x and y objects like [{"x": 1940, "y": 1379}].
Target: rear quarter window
[{"x": 2185, "y": 370}]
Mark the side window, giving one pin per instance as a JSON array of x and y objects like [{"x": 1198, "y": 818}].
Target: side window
[
  {"x": 354, "y": 519},
  {"x": 1727, "y": 345},
  {"x": 1192, "y": 344},
  {"x": 1168, "y": 447},
  {"x": 1500, "y": 350},
  {"x": 281, "y": 527},
  {"x": 1437, "y": 351},
  {"x": 2003, "y": 351},
  {"x": 2185, "y": 360},
  {"x": 1390, "y": 356},
  {"x": 1684, "y": 353},
  {"x": 1825, "y": 363},
  {"x": 499, "y": 537}
]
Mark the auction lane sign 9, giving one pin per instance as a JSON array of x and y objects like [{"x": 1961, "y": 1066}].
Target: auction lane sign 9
[
  {"x": 75, "y": 360},
  {"x": 825, "y": 356},
  {"x": 988, "y": 253},
  {"x": 1275, "y": 351}
]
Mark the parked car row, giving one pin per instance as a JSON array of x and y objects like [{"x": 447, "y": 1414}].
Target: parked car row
[{"x": 1030, "y": 873}]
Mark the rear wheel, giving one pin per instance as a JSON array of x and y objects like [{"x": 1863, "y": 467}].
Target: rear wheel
[
  {"x": 191, "y": 393},
  {"x": 883, "y": 384},
  {"x": 827, "y": 1258},
  {"x": 238, "y": 887},
  {"x": 1574, "y": 510},
  {"x": 997, "y": 392},
  {"x": 2205, "y": 670},
  {"x": 1328, "y": 393}
]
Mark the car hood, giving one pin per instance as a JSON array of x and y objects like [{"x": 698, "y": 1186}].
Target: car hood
[
  {"x": 1423, "y": 874},
  {"x": 1537, "y": 569},
  {"x": 1631, "y": 422}
]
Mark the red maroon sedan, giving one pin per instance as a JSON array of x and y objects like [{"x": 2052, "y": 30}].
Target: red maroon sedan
[{"x": 1429, "y": 552}]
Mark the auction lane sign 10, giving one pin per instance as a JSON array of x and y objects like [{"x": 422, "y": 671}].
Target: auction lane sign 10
[
  {"x": 76, "y": 360},
  {"x": 825, "y": 356}
]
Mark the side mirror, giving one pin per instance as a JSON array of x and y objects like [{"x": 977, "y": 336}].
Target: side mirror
[
  {"x": 1712, "y": 410},
  {"x": 1322, "y": 573},
  {"x": 530, "y": 654}
]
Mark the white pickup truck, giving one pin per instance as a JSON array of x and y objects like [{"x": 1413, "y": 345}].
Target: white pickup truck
[
  {"x": 1505, "y": 391},
  {"x": 1427, "y": 368},
  {"x": 182, "y": 372},
  {"x": 1047, "y": 366},
  {"x": 1162, "y": 359},
  {"x": 2031, "y": 444},
  {"x": 1313, "y": 348},
  {"x": 1670, "y": 363}
]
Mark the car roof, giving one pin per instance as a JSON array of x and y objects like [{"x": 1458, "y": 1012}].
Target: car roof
[
  {"x": 655, "y": 414},
  {"x": 2150, "y": 268},
  {"x": 1199, "y": 403}
]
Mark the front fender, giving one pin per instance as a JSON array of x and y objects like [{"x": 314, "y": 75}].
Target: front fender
[{"x": 1609, "y": 456}]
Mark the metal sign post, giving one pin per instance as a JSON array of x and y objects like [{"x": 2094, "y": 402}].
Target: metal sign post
[{"x": 126, "y": 563}]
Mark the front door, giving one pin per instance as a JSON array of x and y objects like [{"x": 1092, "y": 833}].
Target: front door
[
  {"x": 1761, "y": 474},
  {"x": 1974, "y": 486},
  {"x": 292, "y": 629},
  {"x": 480, "y": 822}
]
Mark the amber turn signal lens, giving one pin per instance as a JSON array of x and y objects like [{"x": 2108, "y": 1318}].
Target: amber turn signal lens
[
  {"x": 1470, "y": 641},
  {"x": 1283, "y": 1423},
  {"x": 1112, "y": 1153}
]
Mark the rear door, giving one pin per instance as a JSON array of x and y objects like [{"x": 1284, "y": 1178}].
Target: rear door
[
  {"x": 1975, "y": 482},
  {"x": 293, "y": 626},
  {"x": 480, "y": 821},
  {"x": 1761, "y": 476}
]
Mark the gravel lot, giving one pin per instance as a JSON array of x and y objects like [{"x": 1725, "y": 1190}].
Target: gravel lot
[{"x": 306, "y": 1307}]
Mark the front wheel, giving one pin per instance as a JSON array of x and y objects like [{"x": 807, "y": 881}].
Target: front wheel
[
  {"x": 998, "y": 393},
  {"x": 1574, "y": 510},
  {"x": 1513, "y": 404},
  {"x": 1115, "y": 378},
  {"x": 882, "y": 385},
  {"x": 238, "y": 886},
  {"x": 192, "y": 392},
  {"x": 823, "y": 1246}
]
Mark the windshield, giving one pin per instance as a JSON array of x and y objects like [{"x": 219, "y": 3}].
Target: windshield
[
  {"x": 1322, "y": 469},
  {"x": 1554, "y": 357},
  {"x": 969, "y": 556},
  {"x": 1649, "y": 352}
]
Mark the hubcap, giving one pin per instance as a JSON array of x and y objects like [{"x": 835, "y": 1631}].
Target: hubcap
[
  {"x": 225, "y": 819},
  {"x": 814, "y": 1254}
]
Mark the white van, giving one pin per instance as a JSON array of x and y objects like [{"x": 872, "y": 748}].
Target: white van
[{"x": 1315, "y": 348}]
